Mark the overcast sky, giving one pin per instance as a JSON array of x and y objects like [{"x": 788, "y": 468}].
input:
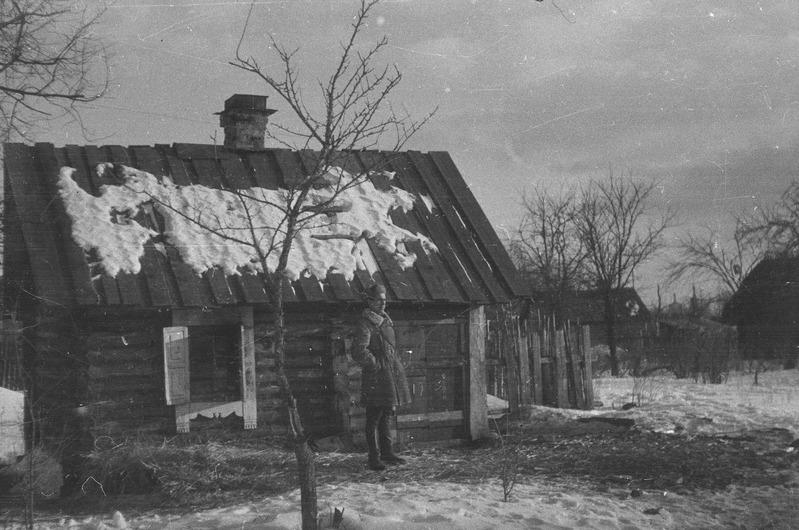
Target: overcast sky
[{"x": 701, "y": 96}]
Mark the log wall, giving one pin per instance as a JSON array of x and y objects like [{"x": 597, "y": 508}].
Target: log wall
[
  {"x": 124, "y": 389},
  {"x": 104, "y": 372}
]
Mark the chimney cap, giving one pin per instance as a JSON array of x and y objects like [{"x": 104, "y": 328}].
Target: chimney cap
[{"x": 247, "y": 103}]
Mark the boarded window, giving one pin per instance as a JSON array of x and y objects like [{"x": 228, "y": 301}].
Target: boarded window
[{"x": 176, "y": 365}]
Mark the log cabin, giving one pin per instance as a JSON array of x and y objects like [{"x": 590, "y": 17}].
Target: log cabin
[{"x": 159, "y": 345}]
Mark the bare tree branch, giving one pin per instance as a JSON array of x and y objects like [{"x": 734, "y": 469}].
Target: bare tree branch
[
  {"x": 777, "y": 225},
  {"x": 50, "y": 62},
  {"x": 709, "y": 256},
  {"x": 355, "y": 98},
  {"x": 547, "y": 248},
  {"x": 357, "y": 114},
  {"x": 618, "y": 233}
]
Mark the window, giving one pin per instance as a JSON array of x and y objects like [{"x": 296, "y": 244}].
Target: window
[
  {"x": 209, "y": 366},
  {"x": 214, "y": 363}
]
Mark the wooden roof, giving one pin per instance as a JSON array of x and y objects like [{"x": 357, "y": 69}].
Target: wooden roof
[
  {"x": 472, "y": 266},
  {"x": 768, "y": 294},
  {"x": 589, "y": 307}
]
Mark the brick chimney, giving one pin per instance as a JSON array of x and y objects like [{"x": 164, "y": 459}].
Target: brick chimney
[{"x": 244, "y": 120}]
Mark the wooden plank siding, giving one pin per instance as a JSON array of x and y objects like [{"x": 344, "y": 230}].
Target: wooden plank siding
[
  {"x": 148, "y": 159},
  {"x": 73, "y": 156},
  {"x": 220, "y": 288},
  {"x": 77, "y": 267},
  {"x": 153, "y": 283},
  {"x": 478, "y": 266},
  {"x": 192, "y": 291},
  {"x": 93, "y": 157},
  {"x": 400, "y": 283},
  {"x": 124, "y": 385},
  {"x": 478, "y": 222},
  {"x": 31, "y": 199},
  {"x": 410, "y": 176},
  {"x": 175, "y": 167},
  {"x": 265, "y": 170},
  {"x": 127, "y": 285}
]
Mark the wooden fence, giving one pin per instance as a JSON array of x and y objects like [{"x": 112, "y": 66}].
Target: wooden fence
[
  {"x": 530, "y": 363},
  {"x": 11, "y": 362}
]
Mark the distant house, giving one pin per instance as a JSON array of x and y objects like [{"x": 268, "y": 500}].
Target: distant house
[
  {"x": 588, "y": 308},
  {"x": 765, "y": 309},
  {"x": 153, "y": 345}
]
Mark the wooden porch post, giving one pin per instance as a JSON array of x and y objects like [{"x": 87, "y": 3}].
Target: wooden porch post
[{"x": 478, "y": 406}]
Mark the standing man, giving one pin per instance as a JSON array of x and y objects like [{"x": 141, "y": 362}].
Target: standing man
[{"x": 384, "y": 386}]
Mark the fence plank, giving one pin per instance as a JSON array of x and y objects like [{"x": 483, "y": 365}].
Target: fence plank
[
  {"x": 588, "y": 371},
  {"x": 524, "y": 363},
  {"x": 561, "y": 384},
  {"x": 511, "y": 365},
  {"x": 538, "y": 383},
  {"x": 574, "y": 369},
  {"x": 548, "y": 373}
]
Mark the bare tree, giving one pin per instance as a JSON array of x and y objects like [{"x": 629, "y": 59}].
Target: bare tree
[
  {"x": 708, "y": 256},
  {"x": 547, "y": 248},
  {"x": 48, "y": 60},
  {"x": 619, "y": 232},
  {"x": 356, "y": 114},
  {"x": 775, "y": 226}
]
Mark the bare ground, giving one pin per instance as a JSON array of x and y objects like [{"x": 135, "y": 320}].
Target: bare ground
[{"x": 597, "y": 454}]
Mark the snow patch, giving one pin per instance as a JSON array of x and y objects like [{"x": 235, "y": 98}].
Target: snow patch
[
  {"x": 428, "y": 202},
  {"x": 218, "y": 228}
]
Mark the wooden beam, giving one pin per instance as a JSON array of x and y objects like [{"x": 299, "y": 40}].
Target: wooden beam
[{"x": 478, "y": 404}]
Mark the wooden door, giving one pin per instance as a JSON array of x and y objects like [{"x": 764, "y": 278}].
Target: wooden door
[{"x": 435, "y": 356}]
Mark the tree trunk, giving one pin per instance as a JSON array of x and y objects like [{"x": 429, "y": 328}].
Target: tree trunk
[
  {"x": 610, "y": 327},
  {"x": 307, "y": 474},
  {"x": 306, "y": 469}
]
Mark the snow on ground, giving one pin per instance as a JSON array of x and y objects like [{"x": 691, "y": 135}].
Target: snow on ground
[
  {"x": 548, "y": 503},
  {"x": 733, "y": 406}
]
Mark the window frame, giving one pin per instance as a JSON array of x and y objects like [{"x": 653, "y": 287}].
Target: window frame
[{"x": 177, "y": 360}]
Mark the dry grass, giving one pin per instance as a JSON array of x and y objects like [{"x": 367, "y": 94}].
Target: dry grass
[{"x": 185, "y": 475}]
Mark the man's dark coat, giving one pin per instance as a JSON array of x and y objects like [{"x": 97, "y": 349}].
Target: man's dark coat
[{"x": 383, "y": 383}]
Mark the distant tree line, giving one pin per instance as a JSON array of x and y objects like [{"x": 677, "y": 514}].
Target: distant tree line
[
  {"x": 769, "y": 231},
  {"x": 597, "y": 235},
  {"x": 594, "y": 237}
]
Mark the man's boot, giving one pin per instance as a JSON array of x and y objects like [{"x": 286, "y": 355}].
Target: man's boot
[
  {"x": 386, "y": 445},
  {"x": 375, "y": 462}
]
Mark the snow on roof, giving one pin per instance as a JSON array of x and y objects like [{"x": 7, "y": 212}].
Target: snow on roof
[{"x": 219, "y": 228}]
